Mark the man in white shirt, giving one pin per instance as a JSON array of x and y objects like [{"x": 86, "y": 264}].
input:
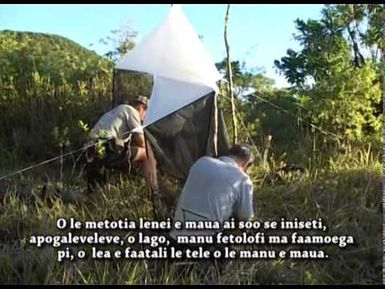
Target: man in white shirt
[
  {"x": 216, "y": 190},
  {"x": 121, "y": 132}
]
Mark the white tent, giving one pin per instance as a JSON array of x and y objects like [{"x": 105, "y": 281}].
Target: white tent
[{"x": 182, "y": 69}]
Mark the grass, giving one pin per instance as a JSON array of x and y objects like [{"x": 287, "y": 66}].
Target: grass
[{"x": 346, "y": 194}]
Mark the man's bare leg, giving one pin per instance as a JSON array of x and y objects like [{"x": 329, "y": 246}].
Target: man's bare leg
[{"x": 146, "y": 161}]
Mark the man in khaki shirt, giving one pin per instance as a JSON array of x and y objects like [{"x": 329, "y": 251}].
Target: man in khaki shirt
[{"x": 121, "y": 131}]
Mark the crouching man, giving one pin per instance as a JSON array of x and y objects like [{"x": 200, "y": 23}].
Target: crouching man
[
  {"x": 216, "y": 190},
  {"x": 123, "y": 146}
]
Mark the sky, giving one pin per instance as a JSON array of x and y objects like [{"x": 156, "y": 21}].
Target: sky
[{"x": 257, "y": 33}]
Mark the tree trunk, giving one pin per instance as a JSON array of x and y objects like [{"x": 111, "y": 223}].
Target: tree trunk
[
  {"x": 230, "y": 79},
  {"x": 113, "y": 102}
]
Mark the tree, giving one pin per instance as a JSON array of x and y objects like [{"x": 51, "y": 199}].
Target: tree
[
  {"x": 123, "y": 41},
  {"x": 235, "y": 68},
  {"x": 230, "y": 78},
  {"x": 126, "y": 84},
  {"x": 334, "y": 81}
]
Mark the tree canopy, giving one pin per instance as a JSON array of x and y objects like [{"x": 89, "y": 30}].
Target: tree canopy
[{"x": 336, "y": 74}]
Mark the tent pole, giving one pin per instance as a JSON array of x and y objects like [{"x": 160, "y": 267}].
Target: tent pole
[{"x": 216, "y": 124}]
